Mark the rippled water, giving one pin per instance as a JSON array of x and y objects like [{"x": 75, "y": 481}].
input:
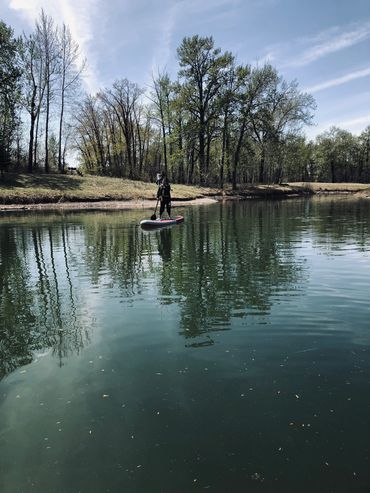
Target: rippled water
[{"x": 230, "y": 353}]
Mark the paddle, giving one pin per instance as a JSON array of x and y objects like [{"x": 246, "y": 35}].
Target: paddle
[{"x": 153, "y": 217}]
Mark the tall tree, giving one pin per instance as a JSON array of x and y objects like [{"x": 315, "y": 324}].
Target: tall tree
[
  {"x": 203, "y": 71},
  {"x": 32, "y": 90},
  {"x": 281, "y": 108},
  {"x": 161, "y": 95},
  {"x": 70, "y": 74},
  {"x": 47, "y": 35},
  {"x": 123, "y": 99},
  {"x": 10, "y": 73}
]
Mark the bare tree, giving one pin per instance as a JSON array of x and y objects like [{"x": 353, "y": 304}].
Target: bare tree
[
  {"x": 70, "y": 75},
  {"x": 123, "y": 100},
  {"x": 33, "y": 90},
  {"x": 47, "y": 34}
]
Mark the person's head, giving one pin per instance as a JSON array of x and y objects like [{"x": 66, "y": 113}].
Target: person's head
[{"x": 159, "y": 178}]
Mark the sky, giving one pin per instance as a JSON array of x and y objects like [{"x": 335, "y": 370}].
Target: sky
[{"x": 323, "y": 44}]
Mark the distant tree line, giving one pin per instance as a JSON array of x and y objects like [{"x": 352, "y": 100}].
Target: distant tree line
[{"x": 218, "y": 122}]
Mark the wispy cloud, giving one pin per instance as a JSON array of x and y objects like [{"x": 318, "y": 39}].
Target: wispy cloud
[
  {"x": 303, "y": 51},
  {"x": 163, "y": 49},
  {"x": 186, "y": 11},
  {"x": 332, "y": 41},
  {"x": 354, "y": 125},
  {"x": 338, "y": 81},
  {"x": 78, "y": 16},
  {"x": 269, "y": 57}
]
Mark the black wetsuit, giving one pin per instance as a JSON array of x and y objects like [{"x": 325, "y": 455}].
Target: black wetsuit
[{"x": 164, "y": 194}]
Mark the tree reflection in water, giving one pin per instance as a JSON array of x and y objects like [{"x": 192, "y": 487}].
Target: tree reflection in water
[
  {"x": 225, "y": 261},
  {"x": 38, "y": 300}
]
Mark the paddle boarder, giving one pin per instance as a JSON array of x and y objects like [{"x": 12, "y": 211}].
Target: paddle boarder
[{"x": 164, "y": 195}]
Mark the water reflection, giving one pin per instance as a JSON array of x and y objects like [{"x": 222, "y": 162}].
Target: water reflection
[
  {"x": 225, "y": 262},
  {"x": 39, "y": 299}
]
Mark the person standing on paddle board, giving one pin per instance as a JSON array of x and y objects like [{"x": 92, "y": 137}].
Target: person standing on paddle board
[{"x": 164, "y": 195}]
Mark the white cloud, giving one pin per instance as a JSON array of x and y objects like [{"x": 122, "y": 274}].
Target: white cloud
[
  {"x": 332, "y": 41},
  {"x": 354, "y": 125},
  {"x": 78, "y": 16},
  {"x": 269, "y": 57},
  {"x": 339, "y": 80},
  {"x": 163, "y": 50},
  {"x": 303, "y": 51}
]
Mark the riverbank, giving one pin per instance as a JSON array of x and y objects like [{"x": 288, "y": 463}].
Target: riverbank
[{"x": 30, "y": 192}]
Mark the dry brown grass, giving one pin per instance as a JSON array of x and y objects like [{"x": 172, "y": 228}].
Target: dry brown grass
[
  {"x": 31, "y": 189},
  {"x": 62, "y": 189},
  {"x": 332, "y": 187}
]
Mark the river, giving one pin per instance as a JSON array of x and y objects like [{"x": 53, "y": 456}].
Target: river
[{"x": 229, "y": 353}]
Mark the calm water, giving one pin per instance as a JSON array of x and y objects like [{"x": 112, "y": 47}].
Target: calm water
[{"x": 230, "y": 353}]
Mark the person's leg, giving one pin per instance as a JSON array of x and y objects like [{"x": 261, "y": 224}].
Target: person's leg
[
  {"x": 169, "y": 209},
  {"x": 161, "y": 209}
]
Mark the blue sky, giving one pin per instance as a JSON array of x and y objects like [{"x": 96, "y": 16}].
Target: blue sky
[{"x": 324, "y": 44}]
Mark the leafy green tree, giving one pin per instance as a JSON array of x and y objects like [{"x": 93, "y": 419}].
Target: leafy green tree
[
  {"x": 364, "y": 156},
  {"x": 281, "y": 109},
  {"x": 338, "y": 154},
  {"x": 203, "y": 71},
  {"x": 10, "y": 73}
]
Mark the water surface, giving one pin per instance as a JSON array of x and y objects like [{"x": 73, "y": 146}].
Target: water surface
[{"x": 229, "y": 353}]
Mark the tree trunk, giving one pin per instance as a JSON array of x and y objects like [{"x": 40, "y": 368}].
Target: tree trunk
[
  {"x": 32, "y": 131},
  {"x": 201, "y": 154},
  {"x": 332, "y": 169},
  {"x": 223, "y": 152},
  {"x": 237, "y": 153},
  {"x": 47, "y": 168},
  {"x": 262, "y": 167},
  {"x": 60, "y": 164}
]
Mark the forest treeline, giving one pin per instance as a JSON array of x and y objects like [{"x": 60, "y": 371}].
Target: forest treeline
[{"x": 217, "y": 122}]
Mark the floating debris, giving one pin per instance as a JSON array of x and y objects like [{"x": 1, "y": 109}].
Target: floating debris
[{"x": 257, "y": 477}]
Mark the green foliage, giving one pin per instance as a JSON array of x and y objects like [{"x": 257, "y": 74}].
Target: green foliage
[
  {"x": 217, "y": 123},
  {"x": 9, "y": 91},
  {"x": 338, "y": 154}
]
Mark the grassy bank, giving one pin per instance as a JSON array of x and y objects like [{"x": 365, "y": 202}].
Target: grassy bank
[
  {"x": 51, "y": 188},
  {"x": 58, "y": 189}
]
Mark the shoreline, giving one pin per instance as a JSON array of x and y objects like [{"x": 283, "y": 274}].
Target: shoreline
[
  {"x": 258, "y": 192},
  {"x": 103, "y": 205}
]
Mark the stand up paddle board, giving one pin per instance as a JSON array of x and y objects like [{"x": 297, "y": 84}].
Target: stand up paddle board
[{"x": 160, "y": 223}]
